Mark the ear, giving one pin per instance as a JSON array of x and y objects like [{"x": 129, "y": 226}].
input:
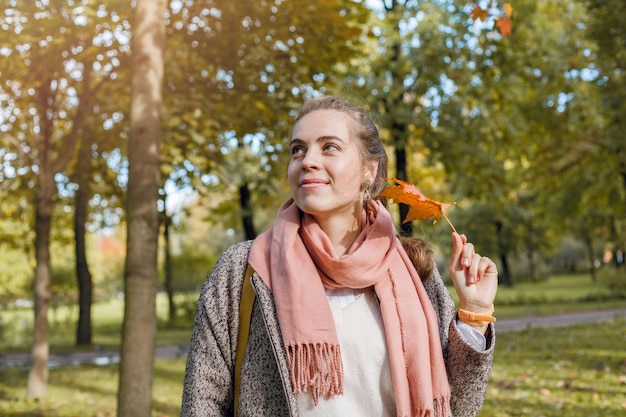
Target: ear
[{"x": 371, "y": 170}]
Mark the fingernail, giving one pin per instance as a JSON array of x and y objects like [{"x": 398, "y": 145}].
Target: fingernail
[
  {"x": 465, "y": 261},
  {"x": 471, "y": 279}
]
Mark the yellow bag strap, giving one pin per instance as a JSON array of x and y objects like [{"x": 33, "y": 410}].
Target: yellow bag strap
[{"x": 245, "y": 314}]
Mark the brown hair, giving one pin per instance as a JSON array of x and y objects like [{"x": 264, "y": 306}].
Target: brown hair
[
  {"x": 421, "y": 255},
  {"x": 363, "y": 128}
]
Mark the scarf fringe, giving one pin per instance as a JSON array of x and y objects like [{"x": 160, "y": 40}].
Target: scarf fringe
[
  {"x": 441, "y": 408},
  {"x": 317, "y": 367}
]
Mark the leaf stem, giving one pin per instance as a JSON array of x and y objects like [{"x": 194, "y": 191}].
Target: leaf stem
[{"x": 449, "y": 222}]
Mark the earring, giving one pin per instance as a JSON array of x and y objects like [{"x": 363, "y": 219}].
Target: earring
[
  {"x": 366, "y": 198},
  {"x": 366, "y": 193}
]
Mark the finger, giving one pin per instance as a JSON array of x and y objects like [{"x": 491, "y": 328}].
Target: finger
[
  {"x": 467, "y": 255},
  {"x": 472, "y": 274},
  {"x": 485, "y": 265},
  {"x": 457, "y": 248}
]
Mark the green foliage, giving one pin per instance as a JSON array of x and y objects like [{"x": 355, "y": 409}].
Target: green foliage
[
  {"x": 190, "y": 268},
  {"x": 522, "y": 130},
  {"x": 16, "y": 274},
  {"x": 232, "y": 84},
  {"x": 16, "y": 329},
  {"x": 614, "y": 278}
]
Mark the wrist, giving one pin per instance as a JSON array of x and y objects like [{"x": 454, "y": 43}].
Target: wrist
[
  {"x": 477, "y": 308},
  {"x": 477, "y": 319}
]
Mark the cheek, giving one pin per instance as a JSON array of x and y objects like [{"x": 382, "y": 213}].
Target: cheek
[{"x": 292, "y": 173}]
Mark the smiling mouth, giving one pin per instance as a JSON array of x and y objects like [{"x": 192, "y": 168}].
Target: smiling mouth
[{"x": 312, "y": 183}]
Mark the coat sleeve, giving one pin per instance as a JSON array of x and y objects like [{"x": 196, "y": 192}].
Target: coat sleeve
[
  {"x": 468, "y": 369},
  {"x": 209, "y": 374}
]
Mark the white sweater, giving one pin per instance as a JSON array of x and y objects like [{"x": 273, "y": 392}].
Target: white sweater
[{"x": 368, "y": 390}]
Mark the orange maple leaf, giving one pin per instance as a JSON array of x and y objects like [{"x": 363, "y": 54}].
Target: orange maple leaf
[
  {"x": 504, "y": 25},
  {"x": 420, "y": 206}
]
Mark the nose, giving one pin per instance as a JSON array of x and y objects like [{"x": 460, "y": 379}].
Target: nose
[{"x": 310, "y": 161}]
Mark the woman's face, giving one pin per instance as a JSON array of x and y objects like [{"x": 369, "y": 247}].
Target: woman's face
[{"x": 326, "y": 173}]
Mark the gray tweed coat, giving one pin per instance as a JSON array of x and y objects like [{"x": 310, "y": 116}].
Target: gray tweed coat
[{"x": 265, "y": 383}]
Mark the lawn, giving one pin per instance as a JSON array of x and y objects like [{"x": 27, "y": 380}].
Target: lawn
[
  {"x": 577, "y": 371},
  {"x": 558, "y": 294},
  {"x": 88, "y": 391}
]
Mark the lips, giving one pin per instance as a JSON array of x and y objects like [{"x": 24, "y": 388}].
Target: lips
[{"x": 312, "y": 182}]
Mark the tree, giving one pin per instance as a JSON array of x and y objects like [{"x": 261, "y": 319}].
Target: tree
[
  {"x": 234, "y": 78},
  {"x": 608, "y": 29},
  {"x": 50, "y": 78},
  {"x": 54, "y": 61},
  {"x": 234, "y": 75},
  {"x": 519, "y": 105},
  {"x": 139, "y": 327},
  {"x": 83, "y": 274},
  {"x": 408, "y": 68}
]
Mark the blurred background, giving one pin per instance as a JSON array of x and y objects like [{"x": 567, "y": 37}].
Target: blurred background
[{"x": 515, "y": 111}]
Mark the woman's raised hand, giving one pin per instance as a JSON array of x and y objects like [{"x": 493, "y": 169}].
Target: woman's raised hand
[{"x": 475, "y": 277}]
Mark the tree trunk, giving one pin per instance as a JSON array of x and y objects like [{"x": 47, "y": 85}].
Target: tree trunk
[
  {"x": 588, "y": 239},
  {"x": 246, "y": 209},
  {"x": 532, "y": 272},
  {"x": 140, "y": 278},
  {"x": 503, "y": 254},
  {"x": 85, "y": 283},
  {"x": 38, "y": 375},
  {"x": 398, "y": 133},
  {"x": 406, "y": 229},
  {"x": 169, "y": 277},
  {"x": 615, "y": 250}
]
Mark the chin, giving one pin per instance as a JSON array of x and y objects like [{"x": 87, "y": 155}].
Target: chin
[
  {"x": 320, "y": 210},
  {"x": 311, "y": 207}
]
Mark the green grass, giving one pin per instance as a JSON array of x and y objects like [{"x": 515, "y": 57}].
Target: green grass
[
  {"x": 568, "y": 288},
  {"x": 88, "y": 391},
  {"x": 16, "y": 327},
  {"x": 577, "y": 371},
  {"x": 558, "y": 294}
]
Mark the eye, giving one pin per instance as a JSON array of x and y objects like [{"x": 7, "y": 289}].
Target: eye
[
  {"x": 297, "y": 151},
  {"x": 331, "y": 147}
]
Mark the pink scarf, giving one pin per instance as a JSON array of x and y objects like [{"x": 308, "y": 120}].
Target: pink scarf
[{"x": 297, "y": 261}]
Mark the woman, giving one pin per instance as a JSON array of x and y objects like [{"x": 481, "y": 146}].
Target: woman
[{"x": 342, "y": 324}]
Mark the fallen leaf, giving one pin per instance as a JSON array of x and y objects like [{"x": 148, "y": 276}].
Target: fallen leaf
[{"x": 420, "y": 206}]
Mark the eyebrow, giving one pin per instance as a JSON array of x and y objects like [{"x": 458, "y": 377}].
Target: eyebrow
[{"x": 319, "y": 139}]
